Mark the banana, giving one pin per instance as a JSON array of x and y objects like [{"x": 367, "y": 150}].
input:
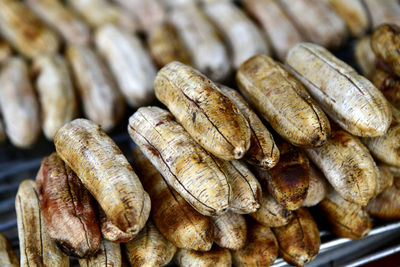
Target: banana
[
  {"x": 218, "y": 257},
  {"x": 108, "y": 256},
  {"x": 7, "y": 254},
  {"x": 230, "y": 230}
]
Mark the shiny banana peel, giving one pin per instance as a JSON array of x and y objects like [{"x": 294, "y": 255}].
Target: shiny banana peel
[
  {"x": 354, "y": 14},
  {"x": 130, "y": 63},
  {"x": 348, "y": 166},
  {"x": 385, "y": 42},
  {"x": 186, "y": 166},
  {"x": 283, "y": 101},
  {"x": 5, "y": 50},
  {"x": 18, "y": 103},
  {"x": 317, "y": 21},
  {"x": 270, "y": 16},
  {"x": 177, "y": 221},
  {"x": 100, "y": 12},
  {"x": 63, "y": 19},
  {"x": 263, "y": 152},
  {"x": 166, "y": 46},
  {"x": 381, "y": 12},
  {"x": 243, "y": 37},
  {"x": 149, "y": 248},
  {"x": 109, "y": 255},
  {"x": 299, "y": 240},
  {"x": 209, "y": 116},
  {"x": 217, "y": 256},
  {"x": 386, "y": 206},
  {"x": 58, "y": 101},
  {"x": 67, "y": 208},
  {"x": 346, "y": 97},
  {"x": 105, "y": 172},
  {"x": 346, "y": 219},
  {"x": 7, "y": 254},
  {"x": 25, "y": 31},
  {"x": 37, "y": 249},
  {"x": 365, "y": 56},
  {"x": 317, "y": 189},
  {"x": 261, "y": 248},
  {"x": 102, "y": 101},
  {"x": 230, "y": 230},
  {"x": 289, "y": 179},
  {"x": 246, "y": 190},
  {"x": 208, "y": 53},
  {"x": 271, "y": 213}
]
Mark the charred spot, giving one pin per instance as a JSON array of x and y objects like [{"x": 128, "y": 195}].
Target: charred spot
[
  {"x": 159, "y": 123},
  {"x": 153, "y": 150},
  {"x": 169, "y": 117},
  {"x": 67, "y": 250},
  {"x": 194, "y": 114}
]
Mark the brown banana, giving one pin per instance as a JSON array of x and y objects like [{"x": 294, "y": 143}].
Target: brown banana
[
  {"x": 263, "y": 152},
  {"x": 7, "y": 254},
  {"x": 271, "y": 213},
  {"x": 246, "y": 190},
  {"x": 270, "y": 15},
  {"x": 348, "y": 166},
  {"x": 230, "y": 230},
  {"x": 210, "y": 117},
  {"x": 105, "y": 172},
  {"x": 317, "y": 21},
  {"x": 201, "y": 38},
  {"x": 70, "y": 26},
  {"x": 389, "y": 85},
  {"x": 36, "y": 247},
  {"x": 177, "y": 221},
  {"x": 108, "y": 256},
  {"x": 186, "y": 166},
  {"x": 149, "y": 248},
  {"x": 25, "y": 31},
  {"x": 346, "y": 219},
  {"x": 288, "y": 181},
  {"x": 243, "y": 37},
  {"x": 165, "y": 45},
  {"x": 386, "y": 178},
  {"x": 283, "y": 101},
  {"x": 354, "y": 14},
  {"x": 18, "y": 103},
  {"x": 111, "y": 232},
  {"x": 385, "y": 42},
  {"x": 56, "y": 93},
  {"x": 299, "y": 240},
  {"x": 216, "y": 257},
  {"x": 261, "y": 248},
  {"x": 346, "y": 97},
  {"x": 102, "y": 101},
  {"x": 365, "y": 56},
  {"x": 317, "y": 188},
  {"x": 67, "y": 208},
  {"x": 386, "y": 206}
]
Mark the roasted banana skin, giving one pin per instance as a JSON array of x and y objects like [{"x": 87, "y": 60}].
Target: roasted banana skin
[
  {"x": 5, "y": 50},
  {"x": 230, "y": 230},
  {"x": 283, "y": 101},
  {"x": 317, "y": 189},
  {"x": 105, "y": 172},
  {"x": 365, "y": 56},
  {"x": 186, "y": 166},
  {"x": 7, "y": 254},
  {"x": 270, "y": 15},
  {"x": 346, "y": 219},
  {"x": 210, "y": 117},
  {"x": 25, "y": 31},
  {"x": 18, "y": 103},
  {"x": 261, "y": 248},
  {"x": 386, "y": 206},
  {"x": 381, "y": 12},
  {"x": 348, "y": 166},
  {"x": 219, "y": 257},
  {"x": 102, "y": 102},
  {"x": 109, "y": 255},
  {"x": 149, "y": 248},
  {"x": 385, "y": 42},
  {"x": 177, "y": 221},
  {"x": 37, "y": 249},
  {"x": 57, "y": 97},
  {"x": 263, "y": 151},
  {"x": 347, "y": 98},
  {"x": 67, "y": 208},
  {"x": 130, "y": 63},
  {"x": 70, "y": 26},
  {"x": 299, "y": 240}
]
